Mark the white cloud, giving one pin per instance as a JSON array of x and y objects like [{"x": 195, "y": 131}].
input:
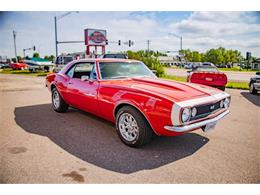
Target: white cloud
[
  {"x": 201, "y": 31},
  {"x": 234, "y": 30}
]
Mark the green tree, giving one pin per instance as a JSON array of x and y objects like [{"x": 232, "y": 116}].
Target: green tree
[
  {"x": 19, "y": 58},
  {"x": 50, "y": 58},
  {"x": 36, "y": 55},
  {"x": 150, "y": 60}
]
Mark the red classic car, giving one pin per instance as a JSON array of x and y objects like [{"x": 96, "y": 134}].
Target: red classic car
[
  {"x": 18, "y": 66},
  {"x": 208, "y": 75},
  {"x": 127, "y": 93}
]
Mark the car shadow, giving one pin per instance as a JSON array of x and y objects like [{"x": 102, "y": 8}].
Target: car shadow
[
  {"x": 95, "y": 140},
  {"x": 255, "y": 99}
]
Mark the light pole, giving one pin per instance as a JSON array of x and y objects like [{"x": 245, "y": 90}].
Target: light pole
[
  {"x": 14, "y": 35},
  {"x": 148, "y": 46},
  {"x": 56, "y": 18},
  {"x": 179, "y": 37}
]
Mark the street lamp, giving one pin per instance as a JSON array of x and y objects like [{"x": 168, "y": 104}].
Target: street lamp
[
  {"x": 179, "y": 37},
  {"x": 56, "y": 18}
]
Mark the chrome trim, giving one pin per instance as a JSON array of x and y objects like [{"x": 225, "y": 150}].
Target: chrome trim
[
  {"x": 177, "y": 106},
  {"x": 196, "y": 125}
]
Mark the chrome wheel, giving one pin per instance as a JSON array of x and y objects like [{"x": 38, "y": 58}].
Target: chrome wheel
[
  {"x": 56, "y": 99},
  {"x": 128, "y": 127}
]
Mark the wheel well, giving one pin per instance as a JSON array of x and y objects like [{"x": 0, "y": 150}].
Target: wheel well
[
  {"x": 118, "y": 107},
  {"x": 52, "y": 87}
]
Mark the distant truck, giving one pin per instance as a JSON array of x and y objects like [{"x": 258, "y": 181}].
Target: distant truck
[{"x": 61, "y": 61}]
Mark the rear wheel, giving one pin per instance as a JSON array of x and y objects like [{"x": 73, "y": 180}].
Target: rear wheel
[
  {"x": 58, "y": 104},
  {"x": 132, "y": 127},
  {"x": 252, "y": 89}
]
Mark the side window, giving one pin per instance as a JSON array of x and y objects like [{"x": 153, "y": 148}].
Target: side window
[
  {"x": 93, "y": 74},
  {"x": 83, "y": 69},
  {"x": 71, "y": 72}
]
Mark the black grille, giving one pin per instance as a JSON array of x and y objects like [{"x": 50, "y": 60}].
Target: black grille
[{"x": 205, "y": 110}]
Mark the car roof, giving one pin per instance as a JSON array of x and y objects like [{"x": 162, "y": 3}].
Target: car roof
[{"x": 106, "y": 60}]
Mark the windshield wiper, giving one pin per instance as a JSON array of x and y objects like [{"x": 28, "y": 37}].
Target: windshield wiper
[{"x": 119, "y": 77}]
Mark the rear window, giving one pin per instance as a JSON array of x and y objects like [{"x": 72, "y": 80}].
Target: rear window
[{"x": 205, "y": 69}]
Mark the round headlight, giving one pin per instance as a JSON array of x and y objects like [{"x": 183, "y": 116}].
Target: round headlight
[
  {"x": 221, "y": 104},
  {"x": 226, "y": 103},
  {"x": 193, "y": 112},
  {"x": 186, "y": 113}
]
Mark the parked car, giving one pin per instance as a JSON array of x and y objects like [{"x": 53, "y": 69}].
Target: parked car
[
  {"x": 3, "y": 66},
  {"x": 222, "y": 66},
  {"x": 61, "y": 61},
  {"x": 188, "y": 66},
  {"x": 208, "y": 64},
  {"x": 18, "y": 66},
  {"x": 192, "y": 65},
  {"x": 117, "y": 55},
  {"x": 208, "y": 75},
  {"x": 254, "y": 84},
  {"x": 127, "y": 93}
]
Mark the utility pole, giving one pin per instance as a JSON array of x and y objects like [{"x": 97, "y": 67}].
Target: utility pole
[
  {"x": 179, "y": 37},
  {"x": 56, "y": 18},
  {"x": 56, "y": 41},
  {"x": 14, "y": 35},
  {"x": 148, "y": 46},
  {"x": 181, "y": 43}
]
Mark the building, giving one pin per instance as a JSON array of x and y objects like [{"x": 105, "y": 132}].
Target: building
[
  {"x": 167, "y": 60},
  {"x": 256, "y": 64}
]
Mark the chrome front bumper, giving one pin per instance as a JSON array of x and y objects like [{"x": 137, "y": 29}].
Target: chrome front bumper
[{"x": 196, "y": 125}]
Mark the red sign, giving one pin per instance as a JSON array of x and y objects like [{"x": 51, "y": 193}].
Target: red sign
[{"x": 95, "y": 37}]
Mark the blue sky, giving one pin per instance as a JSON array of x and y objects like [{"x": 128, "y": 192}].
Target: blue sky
[{"x": 200, "y": 30}]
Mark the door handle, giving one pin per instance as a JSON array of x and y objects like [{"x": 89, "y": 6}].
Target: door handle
[{"x": 90, "y": 94}]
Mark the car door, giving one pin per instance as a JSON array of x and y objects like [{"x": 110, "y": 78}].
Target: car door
[{"x": 83, "y": 93}]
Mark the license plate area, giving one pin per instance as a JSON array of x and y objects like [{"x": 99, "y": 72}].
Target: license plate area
[
  {"x": 209, "y": 126},
  {"x": 208, "y": 79}
]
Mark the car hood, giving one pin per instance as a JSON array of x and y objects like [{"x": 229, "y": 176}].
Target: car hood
[{"x": 168, "y": 89}]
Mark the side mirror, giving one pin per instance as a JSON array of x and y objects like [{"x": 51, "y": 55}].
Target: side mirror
[
  {"x": 257, "y": 73},
  {"x": 84, "y": 78}
]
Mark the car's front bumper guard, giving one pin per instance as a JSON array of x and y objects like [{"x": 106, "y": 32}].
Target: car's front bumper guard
[{"x": 196, "y": 125}]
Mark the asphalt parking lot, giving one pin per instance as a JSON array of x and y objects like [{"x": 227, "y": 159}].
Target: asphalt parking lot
[{"x": 38, "y": 145}]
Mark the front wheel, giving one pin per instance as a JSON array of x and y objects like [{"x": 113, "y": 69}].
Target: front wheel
[
  {"x": 58, "y": 104},
  {"x": 252, "y": 89},
  {"x": 132, "y": 127}
]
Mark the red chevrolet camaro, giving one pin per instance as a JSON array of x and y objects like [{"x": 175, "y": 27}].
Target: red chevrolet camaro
[{"x": 127, "y": 93}]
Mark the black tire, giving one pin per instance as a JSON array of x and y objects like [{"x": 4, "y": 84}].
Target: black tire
[
  {"x": 252, "y": 89},
  {"x": 222, "y": 88},
  {"x": 145, "y": 132},
  {"x": 62, "y": 106}
]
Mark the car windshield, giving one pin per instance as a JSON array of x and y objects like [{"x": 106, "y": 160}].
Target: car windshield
[{"x": 117, "y": 70}]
